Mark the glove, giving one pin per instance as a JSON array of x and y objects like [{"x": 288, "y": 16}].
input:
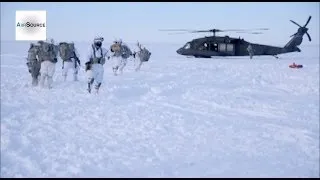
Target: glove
[{"x": 88, "y": 66}]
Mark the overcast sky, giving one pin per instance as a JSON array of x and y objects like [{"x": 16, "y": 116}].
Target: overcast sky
[{"x": 141, "y": 21}]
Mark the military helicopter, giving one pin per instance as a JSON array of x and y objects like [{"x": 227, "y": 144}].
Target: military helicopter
[{"x": 207, "y": 47}]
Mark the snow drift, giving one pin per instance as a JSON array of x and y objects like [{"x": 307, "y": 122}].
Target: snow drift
[{"x": 177, "y": 117}]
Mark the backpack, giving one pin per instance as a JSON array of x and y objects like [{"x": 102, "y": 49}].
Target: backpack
[
  {"x": 115, "y": 47},
  {"x": 66, "y": 51},
  {"x": 126, "y": 52},
  {"x": 144, "y": 55},
  {"x": 32, "y": 53},
  {"x": 47, "y": 52}
]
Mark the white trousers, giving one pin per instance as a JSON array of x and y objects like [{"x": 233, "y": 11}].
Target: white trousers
[
  {"x": 47, "y": 71},
  {"x": 139, "y": 65},
  {"x": 95, "y": 73},
  {"x": 70, "y": 66},
  {"x": 118, "y": 64}
]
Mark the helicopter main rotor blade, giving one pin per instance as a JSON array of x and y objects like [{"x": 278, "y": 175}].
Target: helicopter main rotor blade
[
  {"x": 212, "y": 30},
  {"x": 262, "y": 29},
  {"x": 307, "y": 21},
  {"x": 295, "y": 23},
  {"x": 178, "y": 33},
  {"x": 200, "y": 31},
  {"x": 250, "y": 32},
  {"x": 308, "y": 36},
  {"x": 175, "y": 30}
]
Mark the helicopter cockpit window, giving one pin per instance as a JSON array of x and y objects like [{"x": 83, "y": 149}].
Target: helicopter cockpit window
[{"x": 187, "y": 46}]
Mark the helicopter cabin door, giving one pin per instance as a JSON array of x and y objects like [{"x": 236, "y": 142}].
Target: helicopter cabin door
[{"x": 227, "y": 49}]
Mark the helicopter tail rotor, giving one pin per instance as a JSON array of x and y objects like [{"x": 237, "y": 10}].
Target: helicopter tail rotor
[
  {"x": 295, "y": 23},
  {"x": 308, "y": 36},
  {"x": 307, "y": 21},
  {"x": 302, "y": 29}
]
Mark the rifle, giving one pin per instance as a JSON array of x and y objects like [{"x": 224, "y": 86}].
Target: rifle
[{"x": 77, "y": 60}]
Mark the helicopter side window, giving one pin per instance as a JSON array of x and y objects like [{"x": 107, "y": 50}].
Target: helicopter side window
[
  {"x": 203, "y": 46},
  {"x": 213, "y": 47},
  {"x": 230, "y": 47},
  {"x": 222, "y": 47}
]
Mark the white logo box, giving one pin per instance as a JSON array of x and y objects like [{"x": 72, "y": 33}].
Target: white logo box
[{"x": 31, "y": 25}]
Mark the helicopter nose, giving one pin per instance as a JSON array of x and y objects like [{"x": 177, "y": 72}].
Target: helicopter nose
[{"x": 179, "y": 51}]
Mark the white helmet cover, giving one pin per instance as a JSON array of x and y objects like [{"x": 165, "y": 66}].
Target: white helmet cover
[{"x": 98, "y": 39}]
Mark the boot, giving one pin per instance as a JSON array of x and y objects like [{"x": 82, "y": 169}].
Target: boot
[
  {"x": 121, "y": 68},
  {"x": 64, "y": 78},
  {"x": 75, "y": 77},
  {"x": 42, "y": 79},
  {"x": 50, "y": 81},
  {"x": 97, "y": 87},
  {"x": 34, "y": 81},
  {"x": 89, "y": 85},
  {"x": 115, "y": 69}
]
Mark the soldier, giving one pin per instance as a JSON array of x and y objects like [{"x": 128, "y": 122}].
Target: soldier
[
  {"x": 33, "y": 64},
  {"x": 142, "y": 54},
  {"x": 94, "y": 63},
  {"x": 70, "y": 59},
  {"x": 121, "y": 53},
  {"x": 48, "y": 57}
]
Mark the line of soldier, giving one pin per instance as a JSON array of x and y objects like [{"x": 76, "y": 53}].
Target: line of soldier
[{"x": 42, "y": 59}]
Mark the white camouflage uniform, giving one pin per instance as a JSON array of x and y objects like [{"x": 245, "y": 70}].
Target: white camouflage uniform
[
  {"x": 95, "y": 74},
  {"x": 120, "y": 58},
  {"x": 48, "y": 66},
  {"x": 71, "y": 65}
]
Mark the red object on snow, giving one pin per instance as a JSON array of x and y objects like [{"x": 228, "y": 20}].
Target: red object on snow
[{"x": 294, "y": 65}]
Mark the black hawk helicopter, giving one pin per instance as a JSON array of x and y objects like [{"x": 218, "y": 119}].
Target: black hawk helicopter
[{"x": 207, "y": 47}]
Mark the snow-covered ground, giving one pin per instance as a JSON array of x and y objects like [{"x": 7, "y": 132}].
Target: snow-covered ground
[{"x": 177, "y": 117}]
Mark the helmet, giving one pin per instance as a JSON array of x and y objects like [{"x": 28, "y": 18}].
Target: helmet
[
  {"x": 98, "y": 39},
  {"x": 50, "y": 40},
  {"x": 118, "y": 41},
  {"x": 71, "y": 45}
]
